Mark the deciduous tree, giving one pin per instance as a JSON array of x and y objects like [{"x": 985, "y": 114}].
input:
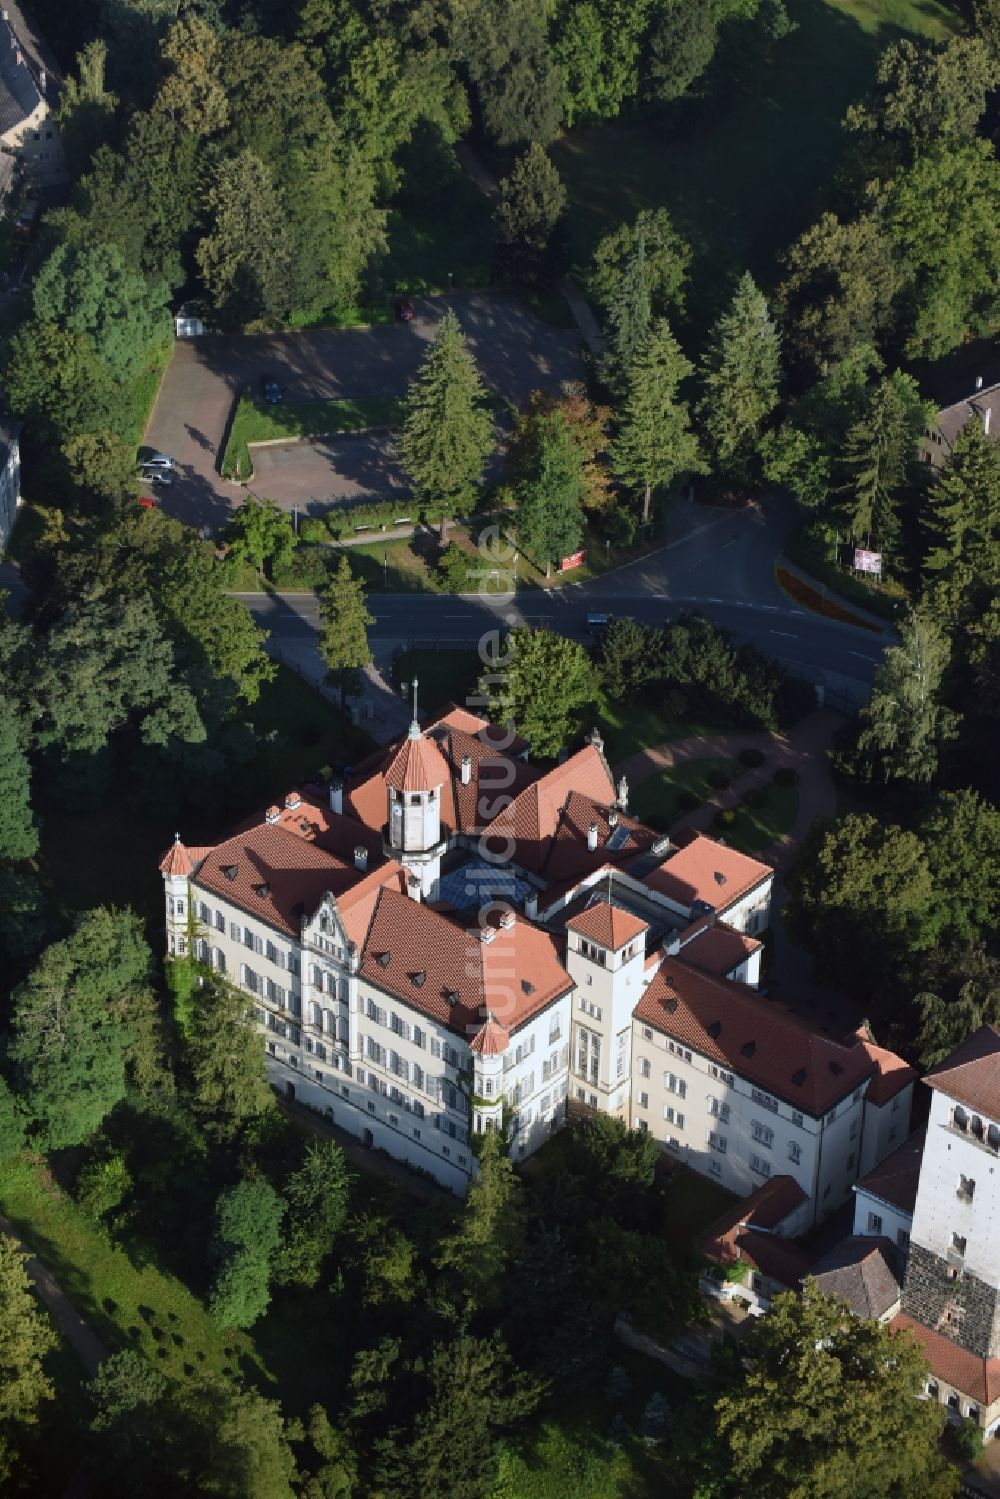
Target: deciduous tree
[
  {"x": 317, "y": 1195},
  {"x": 666, "y": 262},
  {"x": 245, "y": 259},
  {"x": 193, "y": 94},
  {"x": 541, "y": 685},
  {"x": 491, "y": 1231},
  {"x": 262, "y": 535},
  {"x": 26, "y": 1337},
  {"x": 18, "y": 834},
  {"x": 961, "y": 833},
  {"x": 246, "y": 1237},
  {"x": 824, "y": 1405}
]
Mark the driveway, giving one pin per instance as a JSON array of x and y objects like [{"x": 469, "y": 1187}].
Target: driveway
[{"x": 516, "y": 353}]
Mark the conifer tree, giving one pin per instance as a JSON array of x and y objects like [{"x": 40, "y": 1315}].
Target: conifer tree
[
  {"x": 740, "y": 377},
  {"x": 906, "y": 724},
  {"x": 878, "y": 459},
  {"x": 549, "y": 517},
  {"x": 656, "y": 443},
  {"x": 225, "y": 1058},
  {"x": 447, "y": 431},
  {"x": 18, "y": 835},
  {"x": 962, "y": 521},
  {"x": 343, "y": 641},
  {"x": 629, "y": 315},
  {"x": 531, "y": 236}
]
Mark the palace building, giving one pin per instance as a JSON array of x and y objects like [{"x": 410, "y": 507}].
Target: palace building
[{"x": 459, "y": 941}]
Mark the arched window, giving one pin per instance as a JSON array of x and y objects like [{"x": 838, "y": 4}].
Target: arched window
[
  {"x": 976, "y": 1127},
  {"x": 960, "y": 1118}
]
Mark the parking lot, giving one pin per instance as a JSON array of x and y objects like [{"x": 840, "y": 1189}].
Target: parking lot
[{"x": 515, "y": 351}]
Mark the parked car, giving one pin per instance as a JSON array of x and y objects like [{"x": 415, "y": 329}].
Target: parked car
[
  {"x": 152, "y": 459},
  {"x": 272, "y": 391},
  {"x": 597, "y": 624},
  {"x": 147, "y": 503},
  {"x": 404, "y": 310},
  {"x": 157, "y": 476}
]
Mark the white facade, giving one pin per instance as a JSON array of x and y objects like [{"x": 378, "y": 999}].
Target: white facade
[
  {"x": 957, "y": 1213},
  {"x": 739, "y": 1134},
  {"x": 875, "y": 1218},
  {"x": 885, "y": 1127},
  {"x": 609, "y": 985}
]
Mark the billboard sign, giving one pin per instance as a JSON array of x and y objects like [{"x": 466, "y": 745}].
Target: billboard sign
[
  {"x": 867, "y": 562},
  {"x": 575, "y": 559}
]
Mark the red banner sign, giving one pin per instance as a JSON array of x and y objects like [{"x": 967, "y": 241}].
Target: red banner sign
[
  {"x": 576, "y": 559},
  {"x": 867, "y": 562}
]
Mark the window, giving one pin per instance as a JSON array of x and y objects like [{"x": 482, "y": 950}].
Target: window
[
  {"x": 554, "y": 1029},
  {"x": 589, "y": 1008},
  {"x": 416, "y": 1134},
  {"x": 647, "y": 1034},
  {"x": 764, "y": 1099},
  {"x": 966, "y": 1189},
  {"x": 179, "y": 907},
  {"x": 760, "y": 1165},
  {"x": 675, "y": 1085},
  {"x": 724, "y": 1077},
  {"x": 902, "y": 1240},
  {"x": 874, "y": 1223},
  {"x": 797, "y": 1120},
  {"x": 644, "y": 1067},
  {"x": 220, "y": 922},
  {"x": 794, "y": 1152},
  {"x": 958, "y": 1243},
  {"x": 672, "y": 1116},
  {"x": 853, "y": 1131},
  {"x": 642, "y": 1126},
  {"x": 831, "y": 1116},
  {"x": 715, "y": 1168},
  {"x": 678, "y": 1050},
  {"x": 717, "y": 1142},
  {"x": 588, "y": 1055},
  {"x": 762, "y": 1134},
  {"x": 717, "y": 1109},
  {"x": 644, "y": 1100}
]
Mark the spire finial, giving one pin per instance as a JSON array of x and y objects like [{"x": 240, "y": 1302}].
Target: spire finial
[
  {"x": 177, "y": 837},
  {"x": 415, "y": 722}
]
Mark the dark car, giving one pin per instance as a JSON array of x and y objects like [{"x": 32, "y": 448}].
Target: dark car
[
  {"x": 273, "y": 391},
  {"x": 404, "y": 310},
  {"x": 598, "y": 624}
]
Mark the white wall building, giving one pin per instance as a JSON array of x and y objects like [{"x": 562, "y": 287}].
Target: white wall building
[{"x": 421, "y": 988}]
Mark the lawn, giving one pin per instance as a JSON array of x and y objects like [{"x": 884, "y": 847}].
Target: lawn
[
  {"x": 125, "y": 1302},
  {"x": 630, "y": 726},
  {"x": 444, "y": 676},
  {"x": 254, "y": 421},
  {"x": 667, "y": 795},
  {"x": 359, "y": 316},
  {"x": 691, "y": 1204},
  {"x": 742, "y": 181},
  {"x": 451, "y": 238},
  {"x": 756, "y": 828}
]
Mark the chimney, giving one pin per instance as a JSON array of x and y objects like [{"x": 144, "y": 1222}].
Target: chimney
[
  {"x": 466, "y": 769},
  {"x": 979, "y": 382},
  {"x": 986, "y": 420},
  {"x": 337, "y": 797},
  {"x": 361, "y": 857},
  {"x": 486, "y": 934},
  {"x": 293, "y": 800},
  {"x": 272, "y": 815},
  {"x": 531, "y": 905},
  {"x": 507, "y": 920},
  {"x": 41, "y": 80},
  {"x": 592, "y": 837},
  {"x": 413, "y": 887},
  {"x": 613, "y": 818},
  {"x": 623, "y": 794},
  {"x": 595, "y": 738}
]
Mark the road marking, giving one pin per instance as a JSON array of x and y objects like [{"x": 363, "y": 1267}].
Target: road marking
[
  {"x": 787, "y": 634},
  {"x": 773, "y": 608},
  {"x": 710, "y": 600},
  {"x": 861, "y": 656}
]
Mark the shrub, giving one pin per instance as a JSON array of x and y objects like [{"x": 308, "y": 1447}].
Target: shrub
[
  {"x": 966, "y": 1439},
  {"x": 102, "y": 1185},
  {"x": 687, "y": 801},
  {"x": 718, "y": 779},
  {"x": 786, "y": 775},
  {"x": 312, "y": 529},
  {"x": 751, "y": 758},
  {"x": 754, "y": 797},
  {"x": 725, "y": 817}
]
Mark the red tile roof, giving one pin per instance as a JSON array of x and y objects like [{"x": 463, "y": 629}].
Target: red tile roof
[
  {"x": 183, "y": 859},
  {"x": 894, "y": 1180},
  {"x": 978, "y": 1378},
  {"x": 607, "y": 924},
  {"x": 892, "y": 1074},
  {"x": 619, "y": 838},
  {"x": 417, "y": 765},
  {"x": 271, "y": 874},
  {"x": 491, "y": 1040},
  {"x": 717, "y": 948},
  {"x": 746, "y": 1232},
  {"x": 971, "y": 1075},
  {"x": 707, "y": 870},
  {"x": 734, "y": 1026},
  {"x": 311, "y": 819},
  {"x": 450, "y": 974},
  {"x": 532, "y": 819}
]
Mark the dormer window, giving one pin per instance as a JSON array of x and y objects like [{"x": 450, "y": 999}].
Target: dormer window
[{"x": 960, "y": 1118}]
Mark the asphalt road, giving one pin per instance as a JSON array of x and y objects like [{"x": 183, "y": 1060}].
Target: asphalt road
[
  {"x": 516, "y": 354},
  {"x": 717, "y": 561}
]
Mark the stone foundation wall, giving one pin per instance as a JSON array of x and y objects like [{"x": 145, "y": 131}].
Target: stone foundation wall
[{"x": 928, "y": 1292}]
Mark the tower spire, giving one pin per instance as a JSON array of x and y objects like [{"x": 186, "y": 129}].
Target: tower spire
[{"x": 415, "y": 722}]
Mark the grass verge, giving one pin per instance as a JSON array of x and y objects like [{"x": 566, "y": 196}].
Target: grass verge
[
  {"x": 631, "y": 726},
  {"x": 125, "y": 1303},
  {"x": 444, "y": 676},
  {"x": 756, "y": 828},
  {"x": 360, "y": 316},
  {"x": 254, "y": 422},
  {"x": 666, "y": 796}
]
